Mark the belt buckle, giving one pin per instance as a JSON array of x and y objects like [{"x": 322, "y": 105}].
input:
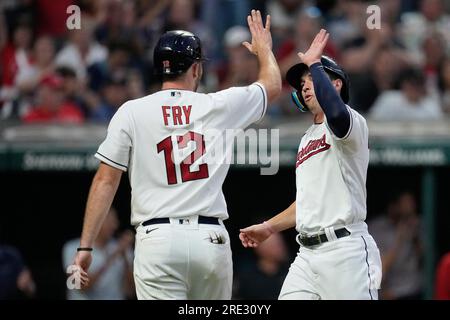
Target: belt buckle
[
  {"x": 314, "y": 237},
  {"x": 318, "y": 238},
  {"x": 300, "y": 238}
]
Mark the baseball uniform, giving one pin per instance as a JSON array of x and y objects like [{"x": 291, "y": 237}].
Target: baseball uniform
[
  {"x": 164, "y": 141},
  {"x": 331, "y": 195}
]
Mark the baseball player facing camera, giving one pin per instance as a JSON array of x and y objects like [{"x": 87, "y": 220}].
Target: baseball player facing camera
[
  {"x": 338, "y": 258},
  {"x": 182, "y": 248}
]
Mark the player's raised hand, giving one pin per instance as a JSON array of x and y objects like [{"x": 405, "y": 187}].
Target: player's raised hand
[
  {"x": 252, "y": 236},
  {"x": 261, "y": 36},
  {"x": 314, "y": 53}
]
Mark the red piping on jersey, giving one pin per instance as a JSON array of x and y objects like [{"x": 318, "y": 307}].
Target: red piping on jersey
[{"x": 312, "y": 148}]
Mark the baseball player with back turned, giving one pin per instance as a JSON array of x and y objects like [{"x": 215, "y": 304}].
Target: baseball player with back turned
[
  {"x": 337, "y": 259},
  {"x": 182, "y": 248}
]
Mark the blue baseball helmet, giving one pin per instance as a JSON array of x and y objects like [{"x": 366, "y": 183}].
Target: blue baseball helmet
[
  {"x": 294, "y": 74},
  {"x": 175, "y": 52}
]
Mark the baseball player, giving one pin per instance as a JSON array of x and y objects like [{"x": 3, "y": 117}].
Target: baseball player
[
  {"x": 182, "y": 248},
  {"x": 338, "y": 259}
]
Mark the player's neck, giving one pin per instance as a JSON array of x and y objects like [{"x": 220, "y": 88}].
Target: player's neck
[
  {"x": 319, "y": 118},
  {"x": 181, "y": 85}
]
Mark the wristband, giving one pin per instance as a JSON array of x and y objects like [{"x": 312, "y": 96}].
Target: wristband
[{"x": 84, "y": 249}]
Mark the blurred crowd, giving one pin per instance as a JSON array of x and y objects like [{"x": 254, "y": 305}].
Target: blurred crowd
[{"x": 49, "y": 73}]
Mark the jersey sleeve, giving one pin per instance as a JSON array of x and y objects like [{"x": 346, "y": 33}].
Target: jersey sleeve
[
  {"x": 244, "y": 105},
  {"x": 115, "y": 149},
  {"x": 357, "y": 134}
]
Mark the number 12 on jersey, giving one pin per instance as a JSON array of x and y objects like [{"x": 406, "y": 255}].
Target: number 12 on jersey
[{"x": 166, "y": 146}]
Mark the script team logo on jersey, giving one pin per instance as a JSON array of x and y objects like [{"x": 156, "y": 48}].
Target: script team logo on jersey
[{"x": 312, "y": 148}]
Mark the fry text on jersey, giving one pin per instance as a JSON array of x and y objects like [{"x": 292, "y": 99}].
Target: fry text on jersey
[{"x": 177, "y": 115}]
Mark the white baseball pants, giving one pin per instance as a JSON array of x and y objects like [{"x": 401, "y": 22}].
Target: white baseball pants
[
  {"x": 184, "y": 261},
  {"x": 347, "y": 268}
]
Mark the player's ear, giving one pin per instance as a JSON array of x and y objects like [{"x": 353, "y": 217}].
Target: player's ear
[
  {"x": 337, "y": 83},
  {"x": 197, "y": 70}
]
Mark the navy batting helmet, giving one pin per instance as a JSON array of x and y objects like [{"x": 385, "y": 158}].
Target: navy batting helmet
[
  {"x": 175, "y": 52},
  {"x": 294, "y": 74}
]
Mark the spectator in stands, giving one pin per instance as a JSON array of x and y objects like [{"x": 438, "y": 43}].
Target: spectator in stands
[
  {"x": 362, "y": 50},
  {"x": 41, "y": 65},
  {"x": 263, "y": 279},
  {"x": 307, "y": 24},
  {"x": 444, "y": 84},
  {"x": 111, "y": 274},
  {"x": 410, "y": 100},
  {"x": 114, "y": 94},
  {"x": 76, "y": 92},
  {"x": 181, "y": 16},
  {"x": 16, "y": 281},
  {"x": 120, "y": 23},
  {"x": 115, "y": 65},
  {"x": 135, "y": 85},
  {"x": 347, "y": 21},
  {"x": 380, "y": 76},
  {"x": 14, "y": 57},
  {"x": 415, "y": 26},
  {"x": 442, "y": 284},
  {"x": 283, "y": 14},
  {"x": 82, "y": 50},
  {"x": 391, "y": 11},
  {"x": 372, "y": 59},
  {"x": 241, "y": 67},
  {"x": 52, "y": 16},
  {"x": 51, "y": 106},
  {"x": 433, "y": 48},
  {"x": 150, "y": 23},
  {"x": 399, "y": 239},
  {"x": 29, "y": 75}
]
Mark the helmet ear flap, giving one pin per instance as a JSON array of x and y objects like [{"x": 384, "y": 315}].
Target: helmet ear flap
[{"x": 298, "y": 101}]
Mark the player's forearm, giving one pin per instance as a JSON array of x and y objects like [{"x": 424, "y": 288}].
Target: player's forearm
[
  {"x": 269, "y": 74},
  {"x": 338, "y": 117},
  {"x": 100, "y": 198},
  {"x": 285, "y": 219}
]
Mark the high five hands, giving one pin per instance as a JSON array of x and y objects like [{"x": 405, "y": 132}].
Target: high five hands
[
  {"x": 261, "y": 37},
  {"x": 314, "y": 53}
]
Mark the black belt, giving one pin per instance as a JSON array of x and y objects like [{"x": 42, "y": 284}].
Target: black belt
[
  {"x": 201, "y": 219},
  {"x": 308, "y": 241}
]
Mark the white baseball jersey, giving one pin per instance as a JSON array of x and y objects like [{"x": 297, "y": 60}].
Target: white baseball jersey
[
  {"x": 163, "y": 141},
  {"x": 331, "y": 176}
]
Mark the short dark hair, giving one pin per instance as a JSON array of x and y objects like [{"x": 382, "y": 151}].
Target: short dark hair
[
  {"x": 66, "y": 72},
  {"x": 409, "y": 75},
  {"x": 117, "y": 45},
  {"x": 333, "y": 76}
]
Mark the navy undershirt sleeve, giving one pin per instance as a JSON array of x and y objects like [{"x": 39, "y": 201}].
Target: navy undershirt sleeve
[{"x": 338, "y": 116}]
